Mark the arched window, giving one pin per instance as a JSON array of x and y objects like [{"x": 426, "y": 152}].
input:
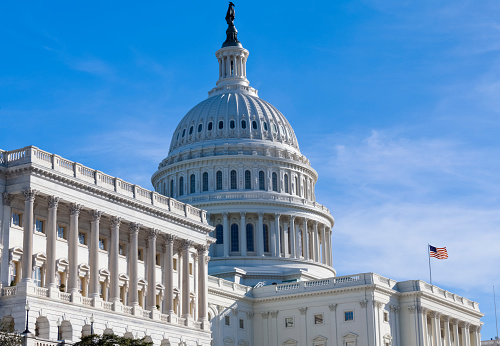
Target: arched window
[
  {"x": 200, "y": 127},
  {"x": 250, "y": 242},
  {"x": 265, "y": 230},
  {"x": 248, "y": 180},
  {"x": 218, "y": 178},
  {"x": 265, "y": 125},
  {"x": 275, "y": 182},
  {"x": 210, "y": 126},
  {"x": 232, "y": 125},
  {"x": 181, "y": 186},
  {"x": 205, "y": 181},
  {"x": 254, "y": 125},
  {"x": 235, "y": 243},
  {"x": 234, "y": 185},
  {"x": 286, "y": 183},
  {"x": 192, "y": 183},
  {"x": 262, "y": 180},
  {"x": 219, "y": 234},
  {"x": 191, "y": 130},
  {"x": 221, "y": 125},
  {"x": 296, "y": 186},
  {"x": 243, "y": 124}
]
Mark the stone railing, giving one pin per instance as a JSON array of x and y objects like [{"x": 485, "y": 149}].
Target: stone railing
[
  {"x": 228, "y": 286},
  {"x": 9, "y": 291},
  {"x": 33, "y": 155}
]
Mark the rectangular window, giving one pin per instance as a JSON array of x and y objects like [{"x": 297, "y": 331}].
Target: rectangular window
[
  {"x": 318, "y": 319},
  {"x": 349, "y": 316},
  {"x": 158, "y": 259},
  {"x": 190, "y": 268},
  {"x": 140, "y": 255},
  {"x": 174, "y": 263},
  {"x": 227, "y": 320},
  {"x": 39, "y": 226},
  {"x": 289, "y": 322},
  {"x": 82, "y": 238},
  {"x": 102, "y": 244},
  {"x": 386, "y": 316},
  {"x": 61, "y": 232},
  {"x": 38, "y": 276},
  {"x": 242, "y": 324},
  {"x": 122, "y": 249},
  {"x": 17, "y": 219}
]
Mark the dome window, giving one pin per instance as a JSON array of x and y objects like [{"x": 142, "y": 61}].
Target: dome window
[
  {"x": 265, "y": 125},
  {"x": 250, "y": 240},
  {"x": 275, "y": 182},
  {"x": 218, "y": 178},
  {"x": 275, "y": 128},
  {"x": 265, "y": 231},
  {"x": 286, "y": 183},
  {"x": 181, "y": 186},
  {"x": 254, "y": 125},
  {"x": 205, "y": 181},
  {"x": 178, "y": 134},
  {"x": 243, "y": 124},
  {"x": 221, "y": 125},
  {"x": 235, "y": 244},
  {"x": 248, "y": 180},
  {"x": 262, "y": 181},
  {"x": 232, "y": 124},
  {"x": 183, "y": 133},
  {"x": 219, "y": 234},
  {"x": 191, "y": 130},
  {"x": 200, "y": 127},
  {"x": 192, "y": 183},
  {"x": 234, "y": 184},
  {"x": 210, "y": 126}
]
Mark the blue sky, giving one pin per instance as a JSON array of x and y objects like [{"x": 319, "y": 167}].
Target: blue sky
[{"x": 394, "y": 102}]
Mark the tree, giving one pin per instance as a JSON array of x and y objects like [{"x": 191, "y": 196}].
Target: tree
[
  {"x": 8, "y": 337},
  {"x": 110, "y": 340}
]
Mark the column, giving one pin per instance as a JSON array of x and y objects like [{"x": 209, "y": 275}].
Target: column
[
  {"x": 50, "y": 276},
  {"x": 243, "y": 235},
  {"x": 467, "y": 334},
  {"x": 7, "y": 214},
  {"x": 436, "y": 328},
  {"x": 74, "y": 211},
  {"x": 260, "y": 235},
  {"x": 265, "y": 328},
  {"x": 225, "y": 230},
  {"x": 316, "y": 241},
  {"x": 330, "y": 250},
  {"x": 168, "y": 274},
  {"x": 423, "y": 322},
  {"x": 292, "y": 237},
  {"x": 477, "y": 335},
  {"x": 186, "y": 245},
  {"x": 151, "y": 298},
  {"x": 447, "y": 339},
  {"x": 133, "y": 296},
  {"x": 94, "y": 253},
  {"x": 202, "y": 284},
  {"x": 305, "y": 239},
  {"x": 456, "y": 336},
  {"x": 114, "y": 251},
  {"x": 286, "y": 240},
  {"x": 323, "y": 244},
  {"x": 29, "y": 221},
  {"x": 273, "y": 328},
  {"x": 275, "y": 240}
]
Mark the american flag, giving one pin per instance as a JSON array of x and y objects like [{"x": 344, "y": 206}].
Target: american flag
[{"x": 438, "y": 252}]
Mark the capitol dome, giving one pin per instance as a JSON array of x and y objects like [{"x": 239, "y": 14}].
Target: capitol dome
[{"x": 237, "y": 156}]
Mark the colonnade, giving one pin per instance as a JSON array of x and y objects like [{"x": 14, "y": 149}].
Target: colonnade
[
  {"x": 232, "y": 64},
  {"x": 169, "y": 245},
  {"x": 288, "y": 236}
]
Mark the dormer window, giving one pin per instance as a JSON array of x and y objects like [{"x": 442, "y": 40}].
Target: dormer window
[
  {"x": 243, "y": 124},
  {"x": 183, "y": 133},
  {"x": 265, "y": 125},
  {"x": 210, "y": 126},
  {"x": 191, "y": 130},
  {"x": 232, "y": 124},
  {"x": 254, "y": 125},
  {"x": 221, "y": 125},
  {"x": 200, "y": 127}
]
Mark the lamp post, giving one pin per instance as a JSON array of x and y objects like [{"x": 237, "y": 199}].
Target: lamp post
[
  {"x": 92, "y": 324},
  {"x": 59, "y": 336},
  {"x": 27, "y": 308}
]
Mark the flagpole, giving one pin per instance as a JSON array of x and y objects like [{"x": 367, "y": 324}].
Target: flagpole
[
  {"x": 495, "y": 300},
  {"x": 429, "y": 255}
]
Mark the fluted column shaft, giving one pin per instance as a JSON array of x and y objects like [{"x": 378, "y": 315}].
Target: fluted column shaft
[
  {"x": 151, "y": 298},
  {"x": 305, "y": 240},
  {"x": 202, "y": 283},
  {"x": 316, "y": 241},
  {"x": 243, "y": 235},
  {"x": 436, "y": 329},
  {"x": 456, "y": 336},
  {"x": 169, "y": 274},
  {"x": 330, "y": 250},
  {"x": 50, "y": 276},
  {"x": 292, "y": 237},
  {"x": 260, "y": 235},
  {"x": 323, "y": 245},
  {"x": 275, "y": 239},
  {"x": 447, "y": 340},
  {"x": 114, "y": 251},
  {"x": 225, "y": 230},
  {"x": 185, "y": 279},
  {"x": 94, "y": 254},
  {"x": 28, "y": 223},
  {"x": 134, "y": 242},
  {"x": 73, "y": 248}
]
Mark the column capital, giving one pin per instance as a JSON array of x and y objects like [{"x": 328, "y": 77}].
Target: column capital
[
  {"x": 225, "y": 214},
  {"x": 168, "y": 238},
  {"x": 186, "y": 244},
  {"x": 394, "y": 308},
  {"x": 153, "y": 233},
  {"x": 134, "y": 227},
  {"x": 29, "y": 194},
  {"x": 74, "y": 209},
  {"x": 7, "y": 198},
  {"x": 95, "y": 215},
  {"x": 250, "y": 315},
  {"x": 412, "y": 308},
  {"x": 265, "y": 315},
  {"x": 53, "y": 202},
  {"x": 292, "y": 217},
  {"x": 202, "y": 249},
  {"x": 116, "y": 221},
  {"x": 274, "y": 314},
  {"x": 243, "y": 213},
  {"x": 332, "y": 307},
  {"x": 260, "y": 214},
  {"x": 303, "y": 310},
  {"x": 453, "y": 321},
  {"x": 363, "y": 303},
  {"x": 445, "y": 318},
  {"x": 277, "y": 215},
  {"x": 422, "y": 310}
]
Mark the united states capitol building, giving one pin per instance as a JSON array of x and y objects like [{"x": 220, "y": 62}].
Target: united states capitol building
[{"x": 231, "y": 247}]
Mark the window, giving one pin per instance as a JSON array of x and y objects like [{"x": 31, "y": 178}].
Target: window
[
  {"x": 37, "y": 276},
  {"x": 275, "y": 128},
  {"x": 174, "y": 263},
  {"x": 102, "y": 244},
  {"x": 140, "y": 254},
  {"x": 221, "y": 125},
  {"x": 14, "y": 279},
  {"x": 250, "y": 246},
  {"x": 172, "y": 188},
  {"x": 275, "y": 182},
  {"x": 232, "y": 125},
  {"x": 39, "y": 226},
  {"x": 386, "y": 316},
  {"x": 318, "y": 319},
  {"x": 289, "y": 322},
  {"x": 243, "y": 124},
  {"x": 218, "y": 178},
  {"x": 286, "y": 183},
  {"x": 262, "y": 180},
  {"x": 122, "y": 249},
  {"x": 248, "y": 180},
  {"x": 265, "y": 125},
  {"x": 233, "y": 180},
  {"x": 242, "y": 324},
  {"x": 183, "y": 133},
  {"x": 219, "y": 234},
  {"x": 254, "y": 125},
  {"x": 296, "y": 186},
  {"x": 349, "y": 316},
  {"x": 210, "y": 126},
  {"x": 192, "y": 179},
  {"x": 227, "y": 320},
  {"x": 82, "y": 238},
  {"x": 191, "y": 130},
  {"x": 181, "y": 186},
  {"x": 205, "y": 181},
  {"x": 190, "y": 268},
  {"x": 265, "y": 230},
  {"x": 200, "y": 127},
  {"x": 178, "y": 134},
  {"x": 17, "y": 219},
  {"x": 235, "y": 244}
]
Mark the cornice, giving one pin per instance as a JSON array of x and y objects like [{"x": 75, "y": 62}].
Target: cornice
[{"x": 431, "y": 297}]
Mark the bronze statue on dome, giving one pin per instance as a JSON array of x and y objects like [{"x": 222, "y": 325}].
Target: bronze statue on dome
[{"x": 230, "y": 14}]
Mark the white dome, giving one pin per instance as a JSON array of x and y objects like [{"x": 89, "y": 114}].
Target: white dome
[{"x": 233, "y": 115}]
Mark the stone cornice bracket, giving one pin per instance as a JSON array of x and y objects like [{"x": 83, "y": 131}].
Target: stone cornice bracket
[
  {"x": 74, "y": 209},
  {"x": 332, "y": 307},
  {"x": 115, "y": 221},
  {"x": 303, "y": 310},
  {"x": 363, "y": 303},
  {"x": 29, "y": 194},
  {"x": 153, "y": 233},
  {"x": 274, "y": 314},
  {"x": 7, "y": 199},
  {"x": 134, "y": 227},
  {"x": 53, "y": 202},
  {"x": 95, "y": 215},
  {"x": 265, "y": 315}
]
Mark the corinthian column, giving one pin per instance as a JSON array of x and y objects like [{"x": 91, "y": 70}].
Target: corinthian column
[
  {"x": 74, "y": 211},
  {"x": 168, "y": 275},
  {"x": 305, "y": 240},
  {"x": 50, "y": 277},
  {"x": 134, "y": 242},
  {"x": 292, "y": 238},
  {"x": 275, "y": 239},
  {"x": 243, "y": 235},
  {"x": 202, "y": 283},
  {"x": 151, "y": 298},
  {"x": 29, "y": 221},
  {"x": 316, "y": 241},
  {"x": 114, "y": 251},
  {"x": 94, "y": 253},
  {"x": 260, "y": 235},
  {"x": 323, "y": 245},
  {"x": 186, "y": 245}
]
